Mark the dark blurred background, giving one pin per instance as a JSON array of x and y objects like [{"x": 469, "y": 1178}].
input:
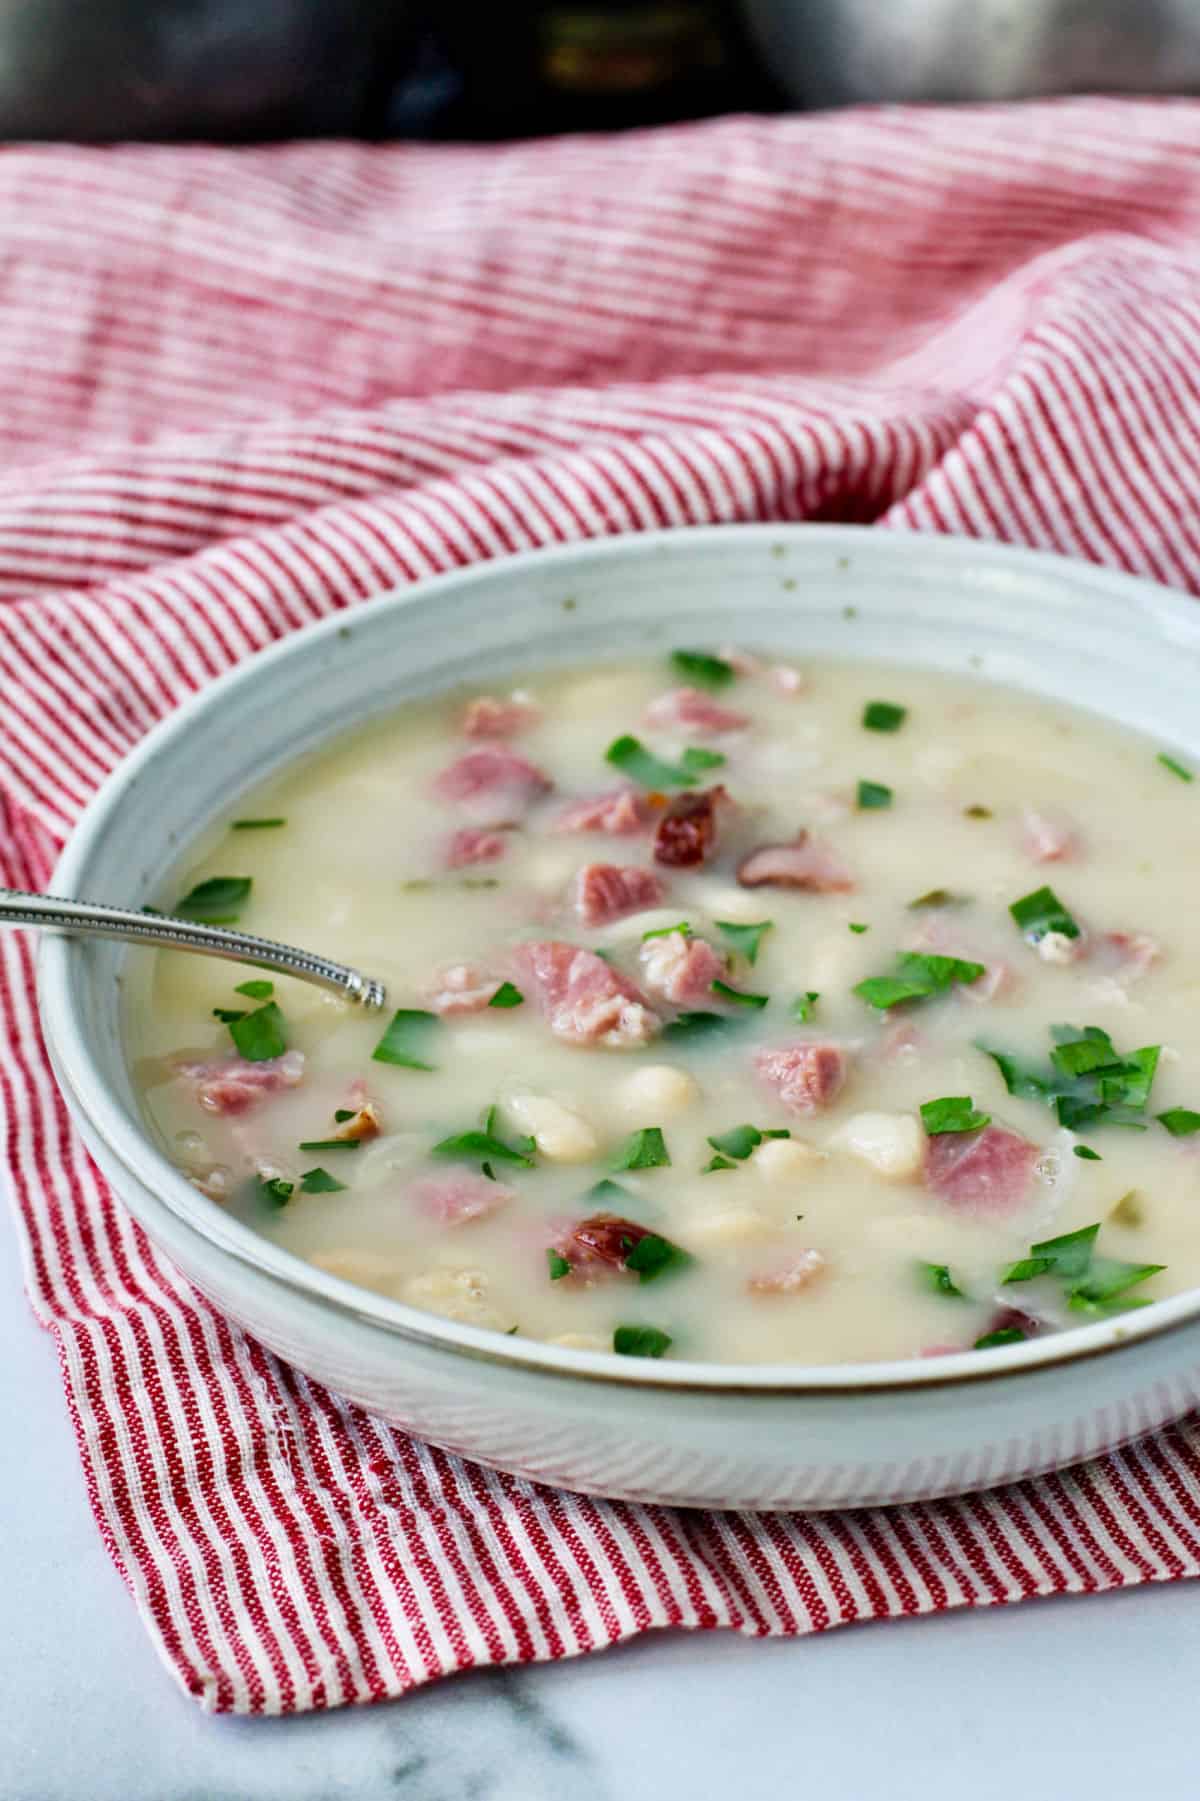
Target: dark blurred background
[{"x": 100, "y": 70}]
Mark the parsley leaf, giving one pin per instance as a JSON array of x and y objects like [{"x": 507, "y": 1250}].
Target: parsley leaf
[
  {"x": 739, "y": 1141},
  {"x": 407, "y": 1039},
  {"x": 857, "y": 927},
  {"x": 227, "y": 1015},
  {"x": 1176, "y": 768},
  {"x": 937, "y": 1276},
  {"x": 937, "y": 897},
  {"x": 256, "y": 991},
  {"x": 256, "y": 825},
  {"x": 640, "y": 1341},
  {"x": 259, "y": 1035},
  {"x": 745, "y": 938},
  {"x": 703, "y": 670},
  {"x": 1087, "y": 1153},
  {"x": 1042, "y": 912},
  {"x": 883, "y": 716},
  {"x": 665, "y": 931},
  {"x": 1003, "y": 1335},
  {"x": 342, "y": 1114},
  {"x": 1090, "y": 1082},
  {"x": 319, "y": 1181},
  {"x": 738, "y": 997},
  {"x": 715, "y": 1163},
  {"x": 802, "y": 1006},
  {"x": 216, "y": 902},
  {"x": 330, "y": 1144},
  {"x": 274, "y": 1190},
  {"x": 507, "y": 995},
  {"x": 652, "y": 1256},
  {"x": 485, "y": 1144},
  {"x": 690, "y": 1027},
  {"x": 953, "y": 1113},
  {"x": 630, "y": 756},
  {"x": 696, "y": 758},
  {"x": 559, "y": 1266},
  {"x": 646, "y": 1149},
  {"x": 917, "y": 977},
  {"x": 872, "y": 796}
]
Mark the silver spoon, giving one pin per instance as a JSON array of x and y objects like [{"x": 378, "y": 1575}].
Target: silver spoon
[{"x": 87, "y": 919}]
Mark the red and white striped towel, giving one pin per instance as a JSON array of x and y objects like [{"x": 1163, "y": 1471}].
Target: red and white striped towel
[{"x": 246, "y": 388}]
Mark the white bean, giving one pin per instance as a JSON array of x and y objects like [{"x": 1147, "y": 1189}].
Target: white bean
[
  {"x": 561, "y": 1134},
  {"x": 892, "y": 1143},
  {"x": 657, "y": 1091},
  {"x": 784, "y": 1160}
]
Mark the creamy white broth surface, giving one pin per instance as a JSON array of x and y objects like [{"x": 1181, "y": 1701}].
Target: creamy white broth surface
[{"x": 867, "y": 1232}]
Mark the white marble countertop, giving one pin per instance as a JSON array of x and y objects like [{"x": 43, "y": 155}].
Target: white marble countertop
[{"x": 1086, "y": 1698}]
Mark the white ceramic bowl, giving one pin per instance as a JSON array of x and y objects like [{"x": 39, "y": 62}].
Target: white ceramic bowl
[{"x": 772, "y": 1436}]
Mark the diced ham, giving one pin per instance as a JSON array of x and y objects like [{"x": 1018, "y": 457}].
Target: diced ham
[
  {"x": 460, "y": 1195},
  {"x": 600, "y": 1244},
  {"x": 693, "y": 713},
  {"x": 1127, "y": 956},
  {"x": 487, "y": 717},
  {"x": 583, "y": 1000},
  {"x": 462, "y": 988},
  {"x": 1006, "y": 1318},
  {"x": 619, "y": 813},
  {"x": 1047, "y": 839},
  {"x": 474, "y": 844},
  {"x": 788, "y": 1276},
  {"x": 806, "y": 864},
  {"x": 493, "y": 784},
  {"x": 607, "y": 891},
  {"x": 806, "y": 1076},
  {"x": 686, "y": 835},
  {"x": 985, "y": 1172},
  {"x": 231, "y": 1085},
  {"x": 680, "y": 969}
]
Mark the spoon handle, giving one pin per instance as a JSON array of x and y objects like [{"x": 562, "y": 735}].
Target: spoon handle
[{"x": 87, "y": 919}]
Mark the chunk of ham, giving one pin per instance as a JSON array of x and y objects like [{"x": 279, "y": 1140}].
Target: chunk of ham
[
  {"x": 987, "y": 1172},
  {"x": 474, "y": 844},
  {"x": 790, "y": 1275},
  {"x": 493, "y": 784},
  {"x": 807, "y": 1076},
  {"x": 601, "y": 1244},
  {"x": 1047, "y": 839},
  {"x": 693, "y": 713},
  {"x": 603, "y": 892},
  {"x": 805, "y": 864},
  {"x": 487, "y": 717},
  {"x": 620, "y": 813},
  {"x": 458, "y": 1196},
  {"x": 232, "y": 1085},
  {"x": 584, "y": 1001},
  {"x": 461, "y": 988},
  {"x": 1126, "y": 956},
  {"x": 686, "y": 835},
  {"x": 680, "y": 969}
]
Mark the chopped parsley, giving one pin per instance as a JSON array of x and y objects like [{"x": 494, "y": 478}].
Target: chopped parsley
[
  {"x": 485, "y": 1143},
  {"x": 937, "y": 1276},
  {"x": 856, "y": 927},
  {"x": 696, "y": 759},
  {"x": 1176, "y": 768},
  {"x": 1086, "y": 1152},
  {"x": 704, "y": 670},
  {"x": 343, "y": 1114},
  {"x": 274, "y": 1190},
  {"x": 872, "y": 796},
  {"x": 558, "y": 1264},
  {"x": 330, "y": 1144},
  {"x": 917, "y": 976},
  {"x": 745, "y": 938},
  {"x": 665, "y": 931},
  {"x": 1042, "y": 912},
  {"x": 259, "y": 1035},
  {"x": 319, "y": 1181},
  {"x": 1091, "y": 1284},
  {"x": 653, "y": 1256},
  {"x": 256, "y": 825},
  {"x": 216, "y": 902},
  {"x": 407, "y": 1039},
  {"x": 607, "y": 1190},
  {"x": 802, "y": 1006},
  {"x": 953, "y": 1113},
  {"x": 227, "y": 1015},
  {"x": 883, "y": 716},
  {"x": 937, "y": 897},
  {"x": 1180, "y": 1122},
  {"x": 977, "y": 812},
  {"x": 688, "y": 1028},
  {"x": 507, "y": 995},
  {"x": 1090, "y": 1081},
  {"x": 640, "y": 1341},
  {"x": 716, "y": 1163},
  {"x": 256, "y": 990},
  {"x": 738, "y": 997},
  {"x": 630, "y": 756},
  {"x": 646, "y": 1149},
  {"x": 739, "y": 1141}
]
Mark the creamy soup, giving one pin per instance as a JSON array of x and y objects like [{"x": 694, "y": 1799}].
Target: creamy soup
[{"x": 736, "y": 1012}]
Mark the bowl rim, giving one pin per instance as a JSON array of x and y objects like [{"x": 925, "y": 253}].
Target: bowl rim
[{"x": 79, "y": 1075}]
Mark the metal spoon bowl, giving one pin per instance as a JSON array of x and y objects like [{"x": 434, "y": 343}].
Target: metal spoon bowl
[{"x": 88, "y": 919}]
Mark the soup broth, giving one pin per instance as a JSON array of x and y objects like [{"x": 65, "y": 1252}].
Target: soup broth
[{"x": 736, "y": 1012}]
